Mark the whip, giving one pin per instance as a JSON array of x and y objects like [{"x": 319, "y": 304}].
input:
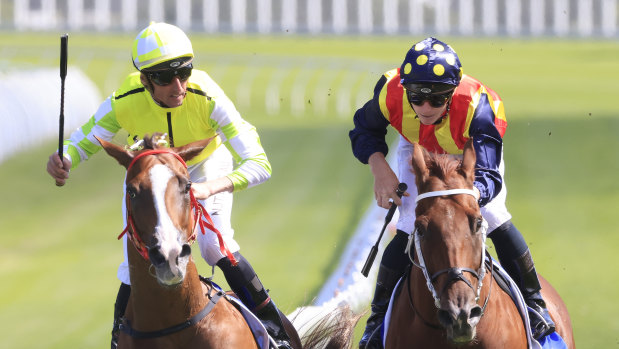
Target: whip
[
  {"x": 368, "y": 263},
  {"x": 64, "y": 40}
]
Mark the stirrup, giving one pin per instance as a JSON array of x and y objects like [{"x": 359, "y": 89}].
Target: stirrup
[
  {"x": 540, "y": 326},
  {"x": 540, "y": 320}
]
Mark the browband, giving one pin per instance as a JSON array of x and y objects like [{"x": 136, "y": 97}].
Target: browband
[{"x": 445, "y": 192}]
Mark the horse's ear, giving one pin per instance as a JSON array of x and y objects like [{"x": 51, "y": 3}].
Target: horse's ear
[
  {"x": 418, "y": 161},
  {"x": 468, "y": 161},
  {"x": 124, "y": 157},
  {"x": 189, "y": 151}
]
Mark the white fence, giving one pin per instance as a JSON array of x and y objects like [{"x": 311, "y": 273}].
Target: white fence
[{"x": 579, "y": 18}]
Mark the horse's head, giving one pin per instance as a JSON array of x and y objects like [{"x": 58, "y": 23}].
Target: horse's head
[
  {"x": 450, "y": 238},
  {"x": 158, "y": 201}
]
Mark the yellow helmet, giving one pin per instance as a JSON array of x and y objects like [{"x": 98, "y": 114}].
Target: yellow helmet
[{"x": 159, "y": 43}]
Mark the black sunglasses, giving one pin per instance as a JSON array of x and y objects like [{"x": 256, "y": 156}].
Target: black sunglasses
[
  {"x": 165, "y": 77},
  {"x": 436, "y": 100}
]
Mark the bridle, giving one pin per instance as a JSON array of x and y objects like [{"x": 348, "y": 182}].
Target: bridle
[
  {"x": 454, "y": 274},
  {"x": 198, "y": 212}
]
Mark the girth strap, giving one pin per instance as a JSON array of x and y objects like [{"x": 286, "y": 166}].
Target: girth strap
[{"x": 125, "y": 325}]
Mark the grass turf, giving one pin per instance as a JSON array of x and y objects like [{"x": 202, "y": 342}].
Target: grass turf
[{"x": 58, "y": 248}]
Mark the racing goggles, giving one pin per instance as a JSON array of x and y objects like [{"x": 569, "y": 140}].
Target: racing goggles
[
  {"x": 436, "y": 100},
  {"x": 165, "y": 77}
]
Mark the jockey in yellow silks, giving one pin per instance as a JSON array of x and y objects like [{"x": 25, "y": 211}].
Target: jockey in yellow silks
[
  {"x": 430, "y": 101},
  {"x": 167, "y": 95}
]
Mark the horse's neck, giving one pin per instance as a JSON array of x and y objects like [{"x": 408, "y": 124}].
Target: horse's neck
[{"x": 150, "y": 299}]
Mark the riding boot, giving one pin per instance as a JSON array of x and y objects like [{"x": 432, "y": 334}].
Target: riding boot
[
  {"x": 392, "y": 268},
  {"x": 522, "y": 270},
  {"x": 119, "y": 311},
  {"x": 245, "y": 283}
]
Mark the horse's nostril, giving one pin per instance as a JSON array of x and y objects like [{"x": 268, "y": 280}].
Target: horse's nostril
[
  {"x": 155, "y": 255},
  {"x": 185, "y": 251},
  {"x": 476, "y": 312},
  {"x": 445, "y": 318}
]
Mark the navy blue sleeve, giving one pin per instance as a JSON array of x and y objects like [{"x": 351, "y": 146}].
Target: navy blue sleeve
[
  {"x": 488, "y": 145},
  {"x": 368, "y": 136}
]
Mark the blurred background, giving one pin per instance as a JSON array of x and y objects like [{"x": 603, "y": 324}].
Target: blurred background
[{"x": 298, "y": 70}]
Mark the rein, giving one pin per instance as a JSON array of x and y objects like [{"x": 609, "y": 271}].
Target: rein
[
  {"x": 125, "y": 324},
  {"x": 455, "y": 274},
  {"x": 201, "y": 216}
]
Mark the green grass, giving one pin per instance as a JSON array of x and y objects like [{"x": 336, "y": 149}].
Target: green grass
[{"x": 58, "y": 247}]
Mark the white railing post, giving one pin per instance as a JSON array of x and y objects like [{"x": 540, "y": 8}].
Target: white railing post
[
  {"x": 129, "y": 15},
  {"x": 289, "y": 16},
  {"x": 314, "y": 16},
  {"x": 609, "y": 17},
  {"x": 365, "y": 19},
  {"x": 102, "y": 15},
  {"x": 466, "y": 13},
  {"x": 340, "y": 16},
  {"x": 415, "y": 16},
  {"x": 183, "y": 14},
  {"x": 210, "y": 15},
  {"x": 585, "y": 17},
  {"x": 441, "y": 16},
  {"x": 390, "y": 16},
  {"x": 264, "y": 18},
  {"x": 513, "y": 17},
  {"x": 489, "y": 17},
  {"x": 155, "y": 11},
  {"x": 238, "y": 15},
  {"x": 561, "y": 16},
  {"x": 537, "y": 17},
  {"x": 75, "y": 14}
]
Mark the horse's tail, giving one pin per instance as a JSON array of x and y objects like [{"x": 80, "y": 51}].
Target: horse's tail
[{"x": 333, "y": 330}]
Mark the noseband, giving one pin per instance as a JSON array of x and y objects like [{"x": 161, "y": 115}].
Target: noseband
[
  {"x": 198, "y": 212},
  {"x": 454, "y": 274}
]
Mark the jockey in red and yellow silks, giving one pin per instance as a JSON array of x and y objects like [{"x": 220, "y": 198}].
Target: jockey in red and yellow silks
[{"x": 429, "y": 101}]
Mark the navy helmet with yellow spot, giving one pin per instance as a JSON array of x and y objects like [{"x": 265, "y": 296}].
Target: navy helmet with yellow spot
[{"x": 431, "y": 62}]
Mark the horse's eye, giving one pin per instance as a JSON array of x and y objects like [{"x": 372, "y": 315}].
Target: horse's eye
[
  {"x": 188, "y": 187},
  {"x": 131, "y": 192},
  {"x": 478, "y": 223},
  {"x": 420, "y": 228}
]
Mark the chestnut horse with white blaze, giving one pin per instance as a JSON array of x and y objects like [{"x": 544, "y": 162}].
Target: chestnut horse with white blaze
[
  {"x": 449, "y": 299},
  {"x": 170, "y": 306}
]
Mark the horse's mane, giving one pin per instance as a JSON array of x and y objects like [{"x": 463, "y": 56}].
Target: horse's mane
[
  {"x": 442, "y": 166},
  {"x": 155, "y": 141}
]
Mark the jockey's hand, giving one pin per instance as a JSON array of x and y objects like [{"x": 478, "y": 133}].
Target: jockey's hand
[
  {"x": 204, "y": 190},
  {"x": 477, "y": 193},
  {"x": 57, "y": 169},
  {"x": 385, "y": 181}
]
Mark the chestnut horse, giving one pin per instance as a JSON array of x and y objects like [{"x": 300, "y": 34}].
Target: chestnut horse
[
  {"x": 170, "y": 306},
  {"x": 450, "y": 299}
]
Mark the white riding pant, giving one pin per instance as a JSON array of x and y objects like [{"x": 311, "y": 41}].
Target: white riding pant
[
  {"x": 219, "y": 207},
  {"x": 494, "y": 212}
]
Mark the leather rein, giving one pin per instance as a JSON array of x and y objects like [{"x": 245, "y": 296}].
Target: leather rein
[
  {"x": 454, "y": 274},
  {"x": 125, "y": 324},
  {"x": 198, "y": 212}
]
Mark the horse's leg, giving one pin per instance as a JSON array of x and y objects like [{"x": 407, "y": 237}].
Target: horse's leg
[{"x": 558, "y": 312}]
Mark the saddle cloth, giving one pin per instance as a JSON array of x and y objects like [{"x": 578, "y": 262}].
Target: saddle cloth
[
  {"x": 263, "y": 339},
  {"x": 551, "y": 341}
]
